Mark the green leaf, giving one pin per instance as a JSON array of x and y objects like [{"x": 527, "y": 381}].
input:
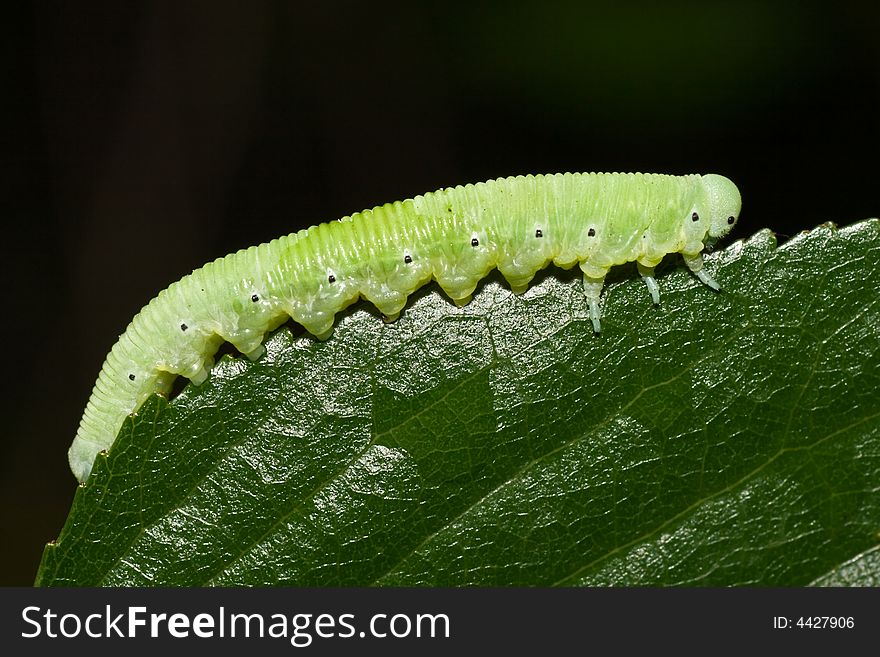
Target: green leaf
[{"x": 720, "y": 439}]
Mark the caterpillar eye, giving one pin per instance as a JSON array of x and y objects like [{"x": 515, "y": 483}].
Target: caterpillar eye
[
  {"x": 331, "y": 278},
  {"x": 255, "y": 298},
  {"x": 731, "y": 221},
  {"x": 475, "y": 241},
  {"x": 695, "y": 217}
]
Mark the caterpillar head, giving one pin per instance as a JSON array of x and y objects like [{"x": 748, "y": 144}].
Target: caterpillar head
[{"x": 723, "y": 202}]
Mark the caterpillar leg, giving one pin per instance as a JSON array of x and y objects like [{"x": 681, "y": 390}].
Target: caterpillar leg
[
  {"x": 200, "y": 375},
  {"x": 388, "y": 302},
  {"x": 324, "y": 335},
  {"x": 648, "y": 276},
  {"x": 593, "y": 289},
  {"x": 254, "y": 354},
  {"x": 695, "y": 264}
]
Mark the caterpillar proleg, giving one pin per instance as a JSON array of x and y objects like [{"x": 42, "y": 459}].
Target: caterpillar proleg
[{"x": 455, "y": 236}]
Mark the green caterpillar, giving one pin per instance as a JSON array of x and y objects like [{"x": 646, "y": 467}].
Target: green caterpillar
[{"x": 454, "y": 235}]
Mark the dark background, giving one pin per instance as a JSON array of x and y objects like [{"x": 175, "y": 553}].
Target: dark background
[{"x": 141, "y": 140}]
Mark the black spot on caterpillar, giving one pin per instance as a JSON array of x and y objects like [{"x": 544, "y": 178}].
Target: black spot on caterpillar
[{"x": 454, "y": 236}]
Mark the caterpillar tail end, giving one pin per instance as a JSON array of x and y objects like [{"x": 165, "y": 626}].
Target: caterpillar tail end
[{"x": 81, "y": 457}]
